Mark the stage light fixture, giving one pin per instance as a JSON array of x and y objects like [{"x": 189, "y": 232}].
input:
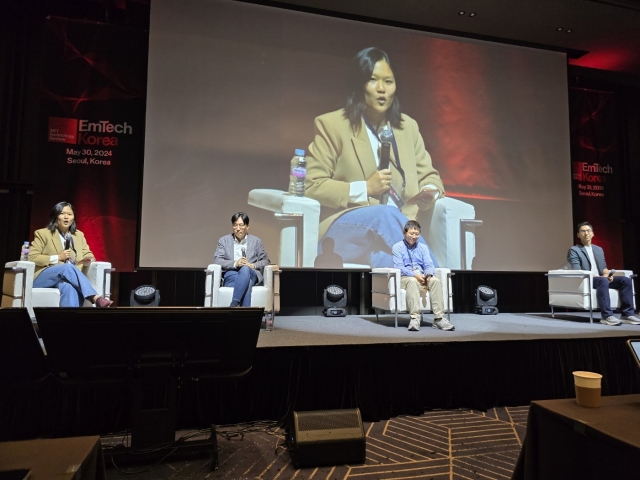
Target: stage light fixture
[
  {"x": 486, "y": 301},
  {"x": 335, "y": 301},
  {"x": 472, "y": 14},
  {"x": 144, "y": 296},
  {"x": 461, "y": 12}
]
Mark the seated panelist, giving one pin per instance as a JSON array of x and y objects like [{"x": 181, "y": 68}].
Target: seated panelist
[
  {"x": 587, "y": 256},
  {"x": 242, "y": 258},
  {"x": 59, "y": 252},
  {"x": 417, "y": 275}
]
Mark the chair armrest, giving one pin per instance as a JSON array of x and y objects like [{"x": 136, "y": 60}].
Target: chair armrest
[
  {"x": 624, "y": 273},
  {"x": 444, "y": 275},
  {"x": 569, "y": 282},
  {"x": 444, "y": 232},
  {"x": 99, "y": 275},
  {"x": 271, "y": 276},
  {"x": 386, "y": 280},
  {"x": 17, "y": 284},
  {"x": 212, "y": 284}
]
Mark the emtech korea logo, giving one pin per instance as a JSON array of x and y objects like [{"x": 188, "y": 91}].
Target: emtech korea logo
[{"x": 84, "y": 132}]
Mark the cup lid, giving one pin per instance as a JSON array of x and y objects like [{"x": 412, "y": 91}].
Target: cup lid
[{"x": 582, "y": 374}]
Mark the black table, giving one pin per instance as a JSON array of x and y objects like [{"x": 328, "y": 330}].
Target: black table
[
  {"x": 76, "y": 458},
  {"x": 565, "y": 441}
]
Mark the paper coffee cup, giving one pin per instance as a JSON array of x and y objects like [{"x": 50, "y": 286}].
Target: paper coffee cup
[{"x": 588, "y": 388}]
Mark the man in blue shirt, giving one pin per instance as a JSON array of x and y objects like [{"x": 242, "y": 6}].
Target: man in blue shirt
[{"x": 416, "y": 268}]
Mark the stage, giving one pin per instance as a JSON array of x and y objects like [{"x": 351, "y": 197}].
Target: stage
[{"x": 296, "y": 331}]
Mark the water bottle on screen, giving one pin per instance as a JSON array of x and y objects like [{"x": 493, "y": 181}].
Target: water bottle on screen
[
  {"x": 24, "y": 252},
  {"x": 298, "y": 173}
]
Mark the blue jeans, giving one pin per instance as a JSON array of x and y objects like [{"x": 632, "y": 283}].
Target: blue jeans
[
  {"x": 625, "y": 292},
  {"x": 242, "y": 282},
  {"x": 367, "y": 235},
  {"x": 73, "y": 285}
]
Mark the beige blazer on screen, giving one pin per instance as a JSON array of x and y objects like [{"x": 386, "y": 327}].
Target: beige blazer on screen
[{"x": 339, "y": 156}]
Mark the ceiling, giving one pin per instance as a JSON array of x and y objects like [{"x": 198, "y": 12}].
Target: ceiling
[{"x": 605, "y": 32}]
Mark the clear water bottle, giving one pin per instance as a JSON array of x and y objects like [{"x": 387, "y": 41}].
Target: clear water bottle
[
  {"x": 24, "y": 252},
  {"x": 298, "y": 173}
]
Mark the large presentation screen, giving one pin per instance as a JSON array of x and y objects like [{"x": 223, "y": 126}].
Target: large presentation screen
[{"x": 480, "y": 133}]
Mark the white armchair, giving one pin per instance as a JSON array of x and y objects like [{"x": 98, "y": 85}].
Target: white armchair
[
  {"x": 450, "y": 234},
  {"x": 387, "y": 295},
  {"x": 18, "y": 291},
  {"x": 266, "y": 295},
  {"x": 572, "y": 289}
]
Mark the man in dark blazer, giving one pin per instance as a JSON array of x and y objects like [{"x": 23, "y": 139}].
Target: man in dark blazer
[
  {"x": 242, "y": 258},
  {"x": 587, "y": 256}
]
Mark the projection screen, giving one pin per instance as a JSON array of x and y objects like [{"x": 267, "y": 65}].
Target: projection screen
[{"x": 234, "y": 88}]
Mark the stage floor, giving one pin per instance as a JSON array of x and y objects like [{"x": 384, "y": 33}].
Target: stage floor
[{"x": 295, "y": 331}]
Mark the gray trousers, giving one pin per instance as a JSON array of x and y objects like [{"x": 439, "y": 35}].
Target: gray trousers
[{"x": 415, "y": 290}]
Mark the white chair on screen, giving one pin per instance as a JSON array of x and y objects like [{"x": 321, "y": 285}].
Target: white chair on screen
[
  {"x": 266, "y": 295},
  {"x": 572, "y": 289},
  {"x": 387, "y": 294},
  {"x": 18, "y": 290},
  {"x": 450, "y": 235}
]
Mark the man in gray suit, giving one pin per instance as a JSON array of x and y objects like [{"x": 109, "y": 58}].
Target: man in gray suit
[
  {"x": 242, "y": 258},
  {"x": 591, "y": 257}
]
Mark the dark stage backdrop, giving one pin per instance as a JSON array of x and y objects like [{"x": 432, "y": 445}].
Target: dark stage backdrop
[
  {"x": 91, "y": 133},
  {"x": 596, "y": 164}
]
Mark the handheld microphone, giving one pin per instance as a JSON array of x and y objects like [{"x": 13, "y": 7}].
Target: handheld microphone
[
  {"x": 244, "y": 252},
  {"x": 68, "y": 240},
  {"x": 386, "y": 137}
]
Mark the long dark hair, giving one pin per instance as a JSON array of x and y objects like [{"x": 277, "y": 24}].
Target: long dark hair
[
  {"x": 362, "y": 67},
  {"x": 53, "y": 217}
]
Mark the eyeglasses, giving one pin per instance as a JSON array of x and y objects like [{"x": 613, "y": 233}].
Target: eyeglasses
[
  {"x": 239, "y": 225},
  {"x": 585, "y": 231}
]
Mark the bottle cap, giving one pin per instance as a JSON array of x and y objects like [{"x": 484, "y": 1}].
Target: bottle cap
[{"x": 299, "y": 151}]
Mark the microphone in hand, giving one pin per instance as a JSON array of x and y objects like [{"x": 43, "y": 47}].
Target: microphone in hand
[
  {"x": 386, "y": 137},
  {"x": 68, "y": 243}
]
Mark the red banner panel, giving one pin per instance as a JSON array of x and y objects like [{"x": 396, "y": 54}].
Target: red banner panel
[
  {"x": 92, "y": 133},
  {"x": 596, "y": 163}
]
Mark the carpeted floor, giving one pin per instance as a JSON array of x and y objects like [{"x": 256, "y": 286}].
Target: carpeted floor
[{"x": 442, "y": 444}]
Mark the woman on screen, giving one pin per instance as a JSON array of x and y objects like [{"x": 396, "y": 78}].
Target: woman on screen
[
  {"x": 366, "y": 205},
  {"x": 59, "y": 252}
]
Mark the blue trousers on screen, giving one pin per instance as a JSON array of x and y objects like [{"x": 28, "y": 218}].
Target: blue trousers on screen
[
  {"x": 73, "y": 285},
  {"x": 242, "y": 281},
  {"x": 367, "y": 235},
  {"x": 625, "y": 291}
]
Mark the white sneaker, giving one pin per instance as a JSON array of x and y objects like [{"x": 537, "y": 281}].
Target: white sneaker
[
  {"x": 630, "y": 319},
  {"x": 610, "y": 321},
  {"x": 443, "y": 324},
  {"x": 414, "y": 325}
]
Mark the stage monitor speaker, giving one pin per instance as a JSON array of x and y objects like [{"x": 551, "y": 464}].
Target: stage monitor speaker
[{"x": 326, "y": 437}]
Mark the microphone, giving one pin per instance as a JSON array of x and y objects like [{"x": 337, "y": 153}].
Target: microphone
[
  {"x": 244, "y": 252},
  {"x": 68, "y": 241},
  {"x": 386, "y": 137}
]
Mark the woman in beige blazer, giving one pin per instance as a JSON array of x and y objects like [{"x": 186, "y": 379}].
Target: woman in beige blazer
[
  {"x": 344, "y": 175},
  {"x": 59, "y": 252}
]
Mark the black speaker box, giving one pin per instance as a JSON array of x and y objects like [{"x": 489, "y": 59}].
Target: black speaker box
[{"x": 326, "y": 437}]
